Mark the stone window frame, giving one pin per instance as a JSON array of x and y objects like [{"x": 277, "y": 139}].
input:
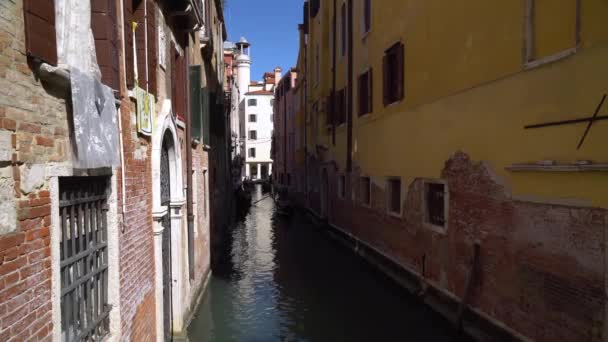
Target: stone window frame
[
  {"x": 529, "y": 60},
  {"x": 113, "y": 253},
  {"x": 446, "y": 205},
  {"x": 389, "y": 196}
]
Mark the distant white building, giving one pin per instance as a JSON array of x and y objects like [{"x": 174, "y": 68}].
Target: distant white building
[{"x": 256, "y": 107}]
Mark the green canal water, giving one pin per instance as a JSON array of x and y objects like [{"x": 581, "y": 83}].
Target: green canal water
[{"x": 280, "y": 279}]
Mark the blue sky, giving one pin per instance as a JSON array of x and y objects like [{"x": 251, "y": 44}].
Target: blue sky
[{"x": 271, "y": 26}]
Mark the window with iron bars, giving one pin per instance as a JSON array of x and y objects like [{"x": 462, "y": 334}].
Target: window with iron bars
[{"x": 84, "y": 258}]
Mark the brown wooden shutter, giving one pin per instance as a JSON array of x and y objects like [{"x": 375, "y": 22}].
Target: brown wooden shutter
[
  {"x": 385, "y": 81},
  {"x": 152, "y": 48},
  {"x": 103, "y": 24},
  {"x": 174, "y": 60},
  {"x": 40, "y": 36},
  {"x": 370, "y": 90},
  {"x": 128, "y": 14},
  {"x": 400, "y": 72},
  {"x": 140, "y": 40},
  {"x": 330, "y": 109},
  {"x": 360, "y": 94}
]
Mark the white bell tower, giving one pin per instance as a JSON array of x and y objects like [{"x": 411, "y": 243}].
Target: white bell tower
[{"x": 243, "y": 62}]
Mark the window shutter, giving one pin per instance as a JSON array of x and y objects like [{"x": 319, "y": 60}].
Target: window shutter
[
  {"x": 103, "y": 24},
  {"x": 385, "y": 81},
  {"x": 400, "y": 72},
  {"x": 40, "y": 36},
  {"x": 140, "y": 41},
  {"x": 152, "y": 48},
  {"x": 128, "y": 14},
  {"x": 331, "y": 100},
  {"x": 370, "y": 90},
  {"x": 196, "y": 114},
  {"x": 206, "y": 116},
  {"x": 174, "y": 56}
]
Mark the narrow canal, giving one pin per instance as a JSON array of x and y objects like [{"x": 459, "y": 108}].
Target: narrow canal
[{"x": 282, "y": 280}]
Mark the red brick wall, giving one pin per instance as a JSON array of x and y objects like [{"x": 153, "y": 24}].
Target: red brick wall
[
  {"x": 37, "y": 126},
  {"x": 136, "y": 240},
  {"x": 25, "y": 273},
  {"x": 144, "y": 320},
  {"x": 542, "y": 265}
]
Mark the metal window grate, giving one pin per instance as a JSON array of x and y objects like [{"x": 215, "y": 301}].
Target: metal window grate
[{"x": 84, "y": 258}]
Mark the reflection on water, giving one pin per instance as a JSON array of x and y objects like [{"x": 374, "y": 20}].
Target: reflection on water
[{"x": 279, "y": 279}]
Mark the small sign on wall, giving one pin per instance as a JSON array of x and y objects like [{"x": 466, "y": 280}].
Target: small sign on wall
[{"x": 145, "y": 111}]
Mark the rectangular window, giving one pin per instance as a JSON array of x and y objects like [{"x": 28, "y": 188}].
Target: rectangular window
[
  {"x": 365, "y": 191},
  {"x": 367, "y": 16},
  {"x": 341, "y": 186},
  {"x": 553, "y": 30},
  {"x": 196, "y": 103},
  {"x": 252, "y": 103},
  {"x": 435, "y": 203},
  {"x": 253, "y": 135},
  {"x": 341, "y": 107},
  {"x": 252, "y": 152},
  {"x": 252, "y": 118},
  {"x": 317, "y": 66},
  {"x": 394, "y": 196},
  {"x": 83, "y": 249},
  {"x": 365, "y": 93},
  {"x": 315, "y": 5},
  {"x": 393, "y": 74}
]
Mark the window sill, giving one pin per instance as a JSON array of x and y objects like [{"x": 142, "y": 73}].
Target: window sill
[
  {"x": 557, "y": 168},
  {"x": 441, "y": 230},
  {"x": 550, "y": 59},
  {"x": 394, "y": 103},
  {"x": 395, "y": 215},
  {"x": 366, "y": 34}
]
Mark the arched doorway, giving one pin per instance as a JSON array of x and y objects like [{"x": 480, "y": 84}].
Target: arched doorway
[
  {"x": 324, "y": 193},
  {"x": 165, "y": 197},
  {"x": 168, "y": 201}
]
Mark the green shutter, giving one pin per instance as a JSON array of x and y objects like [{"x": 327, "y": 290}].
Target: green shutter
[
  {"x": 206, "y": 113},
  {"x": 196, "y": 111}
]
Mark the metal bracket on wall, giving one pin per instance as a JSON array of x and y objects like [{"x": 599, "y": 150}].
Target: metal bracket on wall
[{"x": 589, "y": 120}]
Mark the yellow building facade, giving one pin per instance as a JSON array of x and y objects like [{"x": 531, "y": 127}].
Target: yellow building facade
[{"x": 476, "y": 75}]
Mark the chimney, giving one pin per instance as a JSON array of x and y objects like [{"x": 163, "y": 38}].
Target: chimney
[{"x": 277, "y": 75}]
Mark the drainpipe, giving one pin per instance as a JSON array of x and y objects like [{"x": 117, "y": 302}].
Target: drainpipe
[
  {"x": 189, "y": 206},
  {"x": 306, "y": 118},
  {"x": 122, "y": 171},
  {"x": 146, "y": 40},
  {"x": 333, "y": 70},
  {"x": 349, "y": 142},
  {"x": 285, "y": 146}
]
